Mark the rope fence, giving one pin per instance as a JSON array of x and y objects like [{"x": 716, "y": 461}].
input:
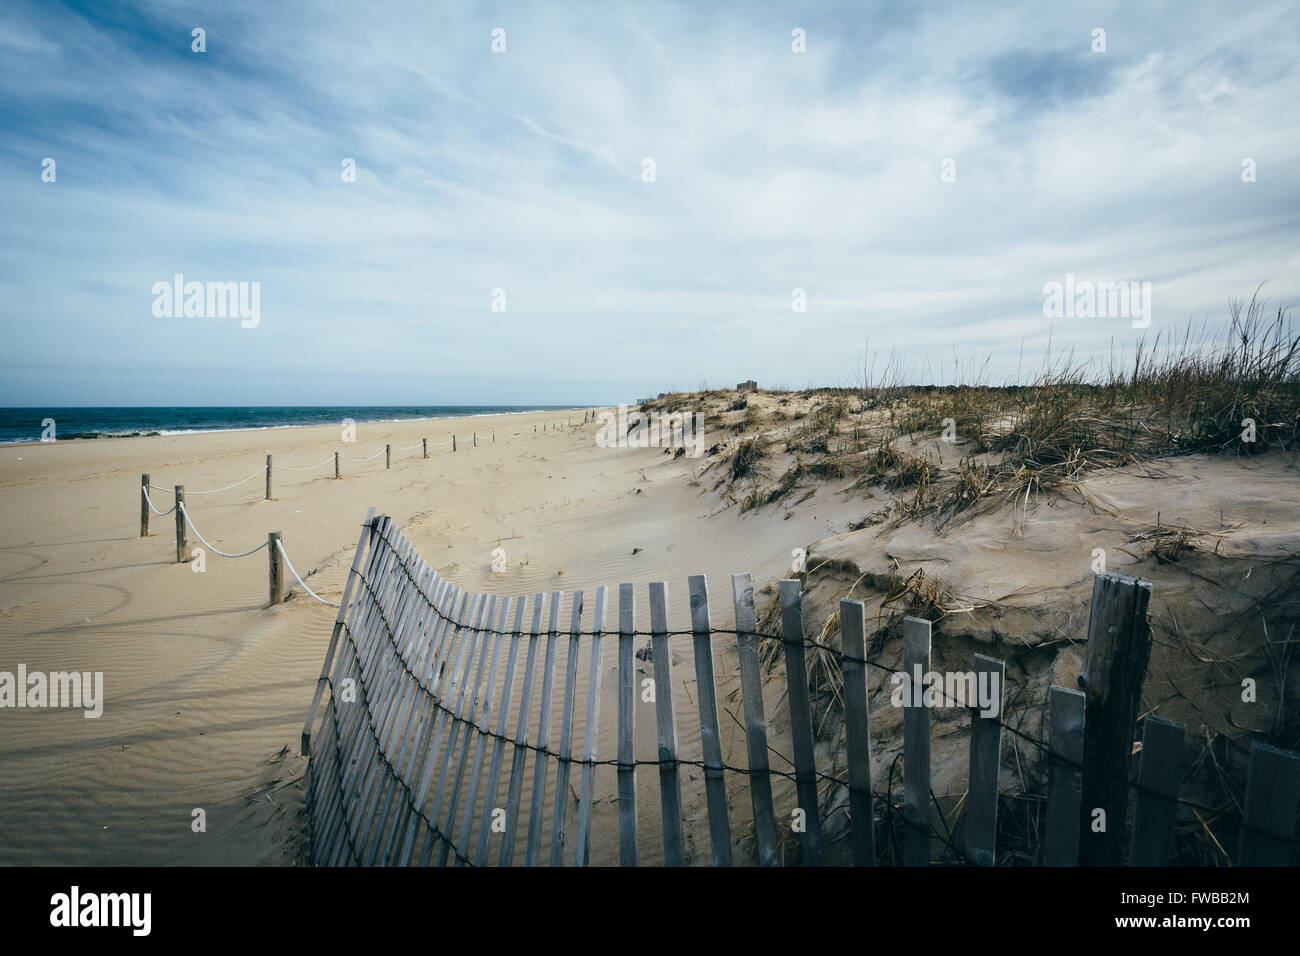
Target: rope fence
[
  {"x": 279, "y": 558},
  {"x": 424, "y": 444}
]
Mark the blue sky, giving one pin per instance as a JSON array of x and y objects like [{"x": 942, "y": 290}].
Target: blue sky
[{"x": 521, "y": 171}]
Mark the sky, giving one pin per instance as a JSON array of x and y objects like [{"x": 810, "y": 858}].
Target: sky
[{"x": 501, "y": 243}]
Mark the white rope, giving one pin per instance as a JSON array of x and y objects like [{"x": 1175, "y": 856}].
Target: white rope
[
  {"x": 160, "y": 514},
  {"x": 375, "y": 455},
  {"x": 309, "y": 467},
  {"x": 245, "y": 554},
  {"x": 213, "y": 491},
  {"x": 409, "y": 447},
  {"x": 289, "y": 564}
]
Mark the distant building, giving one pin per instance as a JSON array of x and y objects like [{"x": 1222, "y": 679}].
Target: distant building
[{"x": 750, "y": 386}]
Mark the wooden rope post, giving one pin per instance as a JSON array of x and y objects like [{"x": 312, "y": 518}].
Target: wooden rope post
[
  {"x": 144, "y": 506},
  {"x": 336, "y": 465},
  {"x": 268, "y": 477},
  {"x": 475, "y": 439},
  {"x": 453, "y": 442},
  {"x": 1114, "y": 667},
  {"x": 276, "y": 567},
  {"x": 425, "y": 443},
  {"x": 388, "y": 456},
  {"x": 180, "y": 524},
  {"x": 494, "y": 435}
]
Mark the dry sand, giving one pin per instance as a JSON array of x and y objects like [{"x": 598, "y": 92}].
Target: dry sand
[{"x": 207, "y": 688}]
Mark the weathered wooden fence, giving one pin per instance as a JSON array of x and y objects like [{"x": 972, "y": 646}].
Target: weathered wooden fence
[{"x": 425, "y": 722}]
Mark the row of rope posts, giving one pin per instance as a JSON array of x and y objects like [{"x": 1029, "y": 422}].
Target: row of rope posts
[{"x": 274, "y": 544}]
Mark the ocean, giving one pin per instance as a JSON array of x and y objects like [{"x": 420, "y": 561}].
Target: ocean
[{"x": 33, "y": 424}]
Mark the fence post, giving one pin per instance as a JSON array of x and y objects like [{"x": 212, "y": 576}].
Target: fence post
[
  {"x": 494, "y": 434},
  {"x": 336, "y": 465},
  {"x": 388, "y": 456},
  {"x": 1114, "y": 667},
  {"x": 475, "y": 439},
  {"x": 425, "y": 443},
  {"x": 275, "y": 567},
  {"x": 180, "y": 524},
  {"x": 268, "y": 477},
  {"x": 144, "y": 506}
]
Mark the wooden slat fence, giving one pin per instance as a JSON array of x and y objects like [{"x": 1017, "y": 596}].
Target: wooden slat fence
[{"x": 426, "y": 719}]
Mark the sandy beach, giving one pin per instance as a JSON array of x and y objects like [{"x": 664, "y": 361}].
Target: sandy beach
[{"x": 206, "y": 687}]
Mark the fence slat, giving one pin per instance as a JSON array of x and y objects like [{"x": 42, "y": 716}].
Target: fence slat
[
  {"x": 542, "y": 768},
  {"x": 1272, "y": 792},
  {"x": 801, "y": 733},
  {"x": 580, "y": 856},
  {"x": 1159, "y": 773},
  {"x": 484, "y": 719},
  {"x": 498, "y": 742},
  {"x": 470, "y": 730},
  {"x": 1064, "y": 777},
  {"x": 334, "y": 829},
  {"x": 916, "y": 745},
  {"x": 751, "y": 693},
  {"x": 455, "y": 723},
  {"x": 519, "y": 760},
  {"x": 410, "y": 752},
  {"x": 379, "y": 700},
  {"x": 670, "y": 796},
  {"x": 857, "y": 731},
  {"x": 453, "y": 678},
  {"x": 566, "y": 733},
  {"x": 710, "y": 736},
  {"x": 355, "y": 723},
  {"x": 627, "y": 686},
  {"x": 449, "y": 634},
  {"x": 345, "y": 604},
  {"x": 391, "y": 699},
  {"x": 980, "y": 823}
]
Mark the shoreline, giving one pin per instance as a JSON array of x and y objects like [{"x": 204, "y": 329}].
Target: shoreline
[{"x": 260, "y": 428}]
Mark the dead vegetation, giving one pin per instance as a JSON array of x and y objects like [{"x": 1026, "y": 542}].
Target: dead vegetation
[{"x": 950, "y": 453}]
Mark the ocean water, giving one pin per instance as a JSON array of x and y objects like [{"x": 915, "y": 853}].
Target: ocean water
[{"x": 29, "y": 424}]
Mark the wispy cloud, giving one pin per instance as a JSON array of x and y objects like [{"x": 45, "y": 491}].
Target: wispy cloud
[{"x": 521, "y": 171}]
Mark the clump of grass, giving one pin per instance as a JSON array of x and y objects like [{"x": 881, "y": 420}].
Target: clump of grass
[
  {"x": 747, "y": 460},
  {"x": 831, "y": 466},
  {"x": 787, "y": 482}
]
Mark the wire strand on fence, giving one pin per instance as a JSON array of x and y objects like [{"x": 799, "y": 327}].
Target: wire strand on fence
[
  {"x": 1042, "y": 745},
  {"x": 161, "y": 514},
  {"x": 243, "y": 554},
  {"x": 289, "y": 564}
]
